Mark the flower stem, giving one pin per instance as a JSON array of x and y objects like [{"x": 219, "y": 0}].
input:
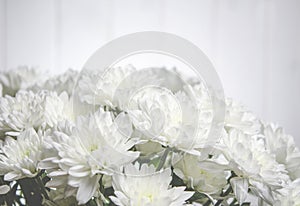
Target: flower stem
[
  {"x": 163, "y": 159},
  {"x": 227, "y": 192},
  {"x": 31, "y": 191},
  {"x": 208, "y": 202},
  {"x": 42, "y": 186},
  {"x": 34, "y": 189}
]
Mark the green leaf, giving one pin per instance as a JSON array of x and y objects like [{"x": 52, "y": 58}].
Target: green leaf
[
  {"x": 198, "y": 196},
  {"x": 176, "y": 181}
]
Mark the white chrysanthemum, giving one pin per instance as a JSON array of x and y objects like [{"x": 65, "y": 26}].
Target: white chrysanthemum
[
  {"x": 98, "y": 88},
  {"x": 28, "y": 109},
  {"x": 154, "y": 112},
  {"x": 203, "y": 175},
  {"x": 60, "y": 83},
  {"x": 51, "y": 159},
  {"x": 93, "y": 146},
  {"x": 181, "y": 120},
  {"x": 138, "y": 80},
  {"x": 142, "y": 186},
  {"x": 20, "y": 78},
  {"x": 114, "y": 86},
  {"x": 284, "y": 148},
  {"x": 249, "y": 159},
  {"x": 19, "y": 158},
  {"x": 237, "y": 116},
  {"x": 197, "y": 110}
]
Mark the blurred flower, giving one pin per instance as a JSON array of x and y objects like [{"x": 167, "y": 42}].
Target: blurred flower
[
  {"x": 28, "y": 109},
  {"x": 98, "y": 88},
  {"x": 284, "y": 148},
  {"x": 115, "y": 86},
  {"x": 20, "y": 78},
  {"x": 238, "y": 117},
  {"x": 60, "y": 83},
  {"x": 140, "y": 185}
]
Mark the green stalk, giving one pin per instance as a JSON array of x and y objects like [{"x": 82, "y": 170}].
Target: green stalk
[
  {"x": 163, "y": 159},
  {"x": 31, "y": 191}
]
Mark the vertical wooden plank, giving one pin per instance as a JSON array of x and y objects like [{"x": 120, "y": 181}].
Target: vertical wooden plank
[
  {"x": 57, "y": 36},
  {"x": 30, "y": 33},
  {"x": 84, "y": 28},
  {"x": 192, "y": 21},
  {"x": 284, "y": 96},
  {"x": 138, "y": 15},
  {"x": 267, "y": 21},
  {"x": 2, "y": 35},
  {"x": 239, "y": 51},
  {"x": 230, "y": 33}
]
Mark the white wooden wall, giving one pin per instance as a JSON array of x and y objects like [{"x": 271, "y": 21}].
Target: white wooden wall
[{"x": 254, "y": 44}]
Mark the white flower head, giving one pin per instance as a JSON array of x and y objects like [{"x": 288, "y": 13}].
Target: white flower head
[
  {"x": 19, "y": 78},
  {"x": 93, "y": 146},
  {"x": 113, "y": 87},
  {"x": 19, "y": 158},
  {"x": 181, "y": 120},
  {"x": 140, "y": 185},
  {"x": 197, "y": 110},
  {"x": 203, "y": 175},
  {"x": 98, "y": 87},
  {"x": 28, "y": 109},
  {"x": 249, "y": 159},
  {"x": 284, "y": 149},
  {"x": 60, "y": 83},
  {"x": 239, "y": 117}
]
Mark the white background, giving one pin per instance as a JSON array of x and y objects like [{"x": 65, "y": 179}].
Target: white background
[{"x": 254, "y": 44}]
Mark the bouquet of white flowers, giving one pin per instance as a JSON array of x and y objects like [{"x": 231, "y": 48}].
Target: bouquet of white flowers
[{"x": 105, "y": 139}]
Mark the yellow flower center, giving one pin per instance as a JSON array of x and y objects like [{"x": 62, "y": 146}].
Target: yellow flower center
[{"x": 93, "y": 147}]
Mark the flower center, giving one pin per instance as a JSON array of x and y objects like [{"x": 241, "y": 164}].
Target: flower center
[{"x": 93, "y": 147}]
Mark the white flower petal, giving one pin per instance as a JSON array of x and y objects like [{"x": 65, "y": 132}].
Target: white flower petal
[
  {"x": 4, "y": 189},
  {"x": 87, "y": 189},
  {"x": 240, "y": 188}
]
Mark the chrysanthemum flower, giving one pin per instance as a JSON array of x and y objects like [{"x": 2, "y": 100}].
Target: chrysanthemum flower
[
  {"x": 203, "y": 175},
  {"x": 142, "y": 186},
  {"x": 18, "y": 79},
  {"x": 98, "y": 88},
  {"x": 239, "y": 117},
  {"x": 93, "y": 146},
  {"x": 180, "y": 120},
  {"x": 28, "y": 109},
  {"x": 60, "y": 83},
  {"x": 250, "y": 160},
  {"x": 115, "y": 86},
  {"x": 19, "y": 157},
  {"x": 284, "y": 148}
]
